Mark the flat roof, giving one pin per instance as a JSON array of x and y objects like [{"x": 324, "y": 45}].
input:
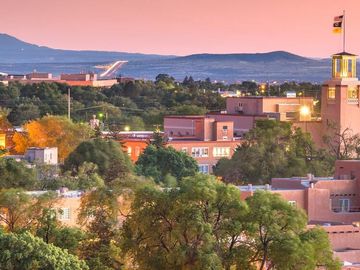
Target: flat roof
[
  {"x": 270, "y": 97},
  {"x": 185, "y": 116}
]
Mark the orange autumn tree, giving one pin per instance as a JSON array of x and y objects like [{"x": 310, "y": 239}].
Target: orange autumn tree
[{"x": 52, "y": 131}]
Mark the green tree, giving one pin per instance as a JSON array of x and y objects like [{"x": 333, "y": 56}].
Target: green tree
[
  {"x": 273, "y": 149},
  {"x": 110, "y": 159},
  {"x": 203, "y": 224},
  {"x": 26, "y": 252},
  {"x": 278, "y": 238},
  {"x": 195, "y": 226},
  {"x": 16, "y": 175},
  {"x": 24, "y": 112},
  {"x": 157, "y": 162},
  {"x": 5, "y": 125},
  {"x": 190, "y": 110},
  {"x": 99, "y": 214},
  {"x": 21, "y": 210},
  {"x": 158, "y": 139},
  {"x": 53, "y": 232}
]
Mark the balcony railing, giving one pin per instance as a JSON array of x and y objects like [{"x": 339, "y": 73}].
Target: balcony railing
[{"x": 342, "y": 210}]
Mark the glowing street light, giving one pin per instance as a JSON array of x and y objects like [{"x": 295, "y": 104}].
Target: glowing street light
[
  {"x": 262, "y": 88},
  {"x": 305, "y": 111},
  {"x": 127, "y": 128}
]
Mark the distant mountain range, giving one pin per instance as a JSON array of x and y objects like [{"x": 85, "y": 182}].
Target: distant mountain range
[
  {"x": 17, "y": 56},
  {"x": 13, "y": 50}
]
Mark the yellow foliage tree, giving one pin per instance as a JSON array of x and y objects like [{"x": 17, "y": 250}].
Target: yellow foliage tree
[
  {"x": 21, "y": 142},
  {"x": 52, "y": 131}
]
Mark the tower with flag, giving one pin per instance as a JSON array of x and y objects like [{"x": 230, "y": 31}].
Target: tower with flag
[{"x": 340, "y": 105}]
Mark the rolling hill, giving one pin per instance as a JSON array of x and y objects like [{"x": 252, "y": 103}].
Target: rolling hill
[
  {"x": 17, "y": 56},
  {"x": 13, "y": 50}
]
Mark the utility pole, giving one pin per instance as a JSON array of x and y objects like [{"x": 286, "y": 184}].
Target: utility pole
[{"x": 69, "y": 108}]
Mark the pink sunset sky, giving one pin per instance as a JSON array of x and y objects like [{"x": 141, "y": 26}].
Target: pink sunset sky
[{"x": 184, "y": 26}]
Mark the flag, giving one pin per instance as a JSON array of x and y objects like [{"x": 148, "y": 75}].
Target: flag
[
  {"x": 337, "y": 30},
  {"x": 337, "y": 25},
  {"x": 338, "y": 18}
]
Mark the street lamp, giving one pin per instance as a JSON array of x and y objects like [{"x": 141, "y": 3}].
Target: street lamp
[
  {"x": 127, "y": 128},
  {"x": 305, "y": 111}
]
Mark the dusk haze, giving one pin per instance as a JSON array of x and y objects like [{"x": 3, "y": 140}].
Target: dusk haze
[
  {"x": 179, "y": 135},
  {"x": 183, "y": 27}
]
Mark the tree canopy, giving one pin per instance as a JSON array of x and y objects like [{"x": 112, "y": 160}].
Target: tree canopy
[
  {"x": 158, "y": 162},
  {"x": 16, "y": 175},
  {"x": 52, "y": 131},
  {"x": 107, "y": 155},
  {"x": 22, "y": 211},
  {"x": 99, "y": 214},
  {"x": 203, "y": 224},
  {"x": 274, "y": 149},
  {"x": 26, "y": 252}
]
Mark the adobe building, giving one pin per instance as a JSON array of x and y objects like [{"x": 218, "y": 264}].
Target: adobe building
[
  {"x": 42, "y": 155},
  {"x": 340, "y": 94},
  {"x": 331, "y": 202},
  {"x": 85, "y": 79},
  {"x": 203, "y": 138},
  {"x": 244, "y": 111}
]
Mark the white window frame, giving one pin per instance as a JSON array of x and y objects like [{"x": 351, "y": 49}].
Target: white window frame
[
  {"x": 207, "y": 171},
  {"x": 344, "y": 207},
  {"x": 199, "y": 152},
  {"x": 292, "y": 203},
  {"x": 221, "y": 151}
]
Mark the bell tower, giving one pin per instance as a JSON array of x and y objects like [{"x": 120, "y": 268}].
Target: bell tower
[
  {"x": 343, "y": 65},
  {"x": 340, "y": 95}
]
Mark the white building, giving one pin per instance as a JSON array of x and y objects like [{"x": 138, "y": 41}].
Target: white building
[{"x": 47, "y": 155}]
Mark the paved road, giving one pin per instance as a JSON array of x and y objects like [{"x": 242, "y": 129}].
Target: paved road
[{"x": 112, "y": 69}]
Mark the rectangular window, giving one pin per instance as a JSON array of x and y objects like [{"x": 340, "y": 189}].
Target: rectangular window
[
  {"x": 352, "y": 92},
  {"x": 221, "y": 151},
  {"x": 331, "y": 93},
  {"x": 291, "y": 115},
  {"x": 64, "y": 214},
  {"x": 204, "y": 168},
  {"x": 200, "y": 152},
  {"x": 129, "y": 151},
  {"x": 292, "y": 203},
  {"x": 344, "y": 205}
]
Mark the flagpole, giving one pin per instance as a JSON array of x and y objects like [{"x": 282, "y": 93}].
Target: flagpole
[{"x": 344, "y": 40}]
